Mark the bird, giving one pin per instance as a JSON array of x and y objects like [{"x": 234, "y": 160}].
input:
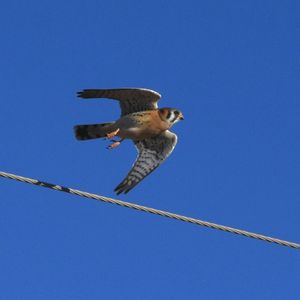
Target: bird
[{"x": 141, "y": 121}]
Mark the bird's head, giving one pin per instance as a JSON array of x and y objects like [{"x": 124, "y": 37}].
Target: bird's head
[{"x": 171, "y": 115}]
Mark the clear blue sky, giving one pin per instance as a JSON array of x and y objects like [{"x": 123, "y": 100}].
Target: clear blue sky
[{"x": 232, "y": 67}]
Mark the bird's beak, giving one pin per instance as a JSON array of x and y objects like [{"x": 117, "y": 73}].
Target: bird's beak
[{"x": 181, "y": 117}]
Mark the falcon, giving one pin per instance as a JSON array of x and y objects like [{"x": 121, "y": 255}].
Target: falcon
[{"x": 141, "y": 121}]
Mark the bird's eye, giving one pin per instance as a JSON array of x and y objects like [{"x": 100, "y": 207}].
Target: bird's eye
[{"x": 176, "y": 112}]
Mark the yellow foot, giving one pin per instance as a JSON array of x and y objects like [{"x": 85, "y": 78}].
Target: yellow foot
[
  {"x": 112, "y": 134},
  {"x": 113, "y": 145}
]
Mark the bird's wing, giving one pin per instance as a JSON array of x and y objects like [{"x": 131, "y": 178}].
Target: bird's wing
[
  {"x": 131, "y": 99},
  {"x": 152, "y": 152}
]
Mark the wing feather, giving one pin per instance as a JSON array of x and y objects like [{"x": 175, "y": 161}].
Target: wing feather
[
  {"x": 152, "y": 152},
  {"x": 131, "y": 99}
]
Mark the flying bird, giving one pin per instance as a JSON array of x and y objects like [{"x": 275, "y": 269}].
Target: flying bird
[{"x": 141, "y": 121}]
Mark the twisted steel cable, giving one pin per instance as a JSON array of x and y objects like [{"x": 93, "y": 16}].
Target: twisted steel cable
[{"x": 151, "y": 210}]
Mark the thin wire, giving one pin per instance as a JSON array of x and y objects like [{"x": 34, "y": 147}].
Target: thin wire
[{"x": 150, "y": 210}]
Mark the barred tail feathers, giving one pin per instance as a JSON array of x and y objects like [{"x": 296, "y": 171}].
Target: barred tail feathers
[{"x": 92, "y": 131}]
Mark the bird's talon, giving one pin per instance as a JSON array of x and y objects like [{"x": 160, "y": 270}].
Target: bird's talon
[
  {"x": 113, "y": 145},
  {"x": 112, "y": 134}
]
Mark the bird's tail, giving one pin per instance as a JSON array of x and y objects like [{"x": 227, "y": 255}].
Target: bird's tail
[{"x": 93, "y": 131}]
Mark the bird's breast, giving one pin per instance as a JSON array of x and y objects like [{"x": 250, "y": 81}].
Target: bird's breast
[{"x": 141, "y": 125}]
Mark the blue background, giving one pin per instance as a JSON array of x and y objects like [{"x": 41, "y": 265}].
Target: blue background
[{"x": 232, "y": 67}]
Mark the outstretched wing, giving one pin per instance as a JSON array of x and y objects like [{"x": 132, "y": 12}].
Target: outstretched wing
[
  {"x": 131, "y": 99},
  {"x": 152, "y": 152}
]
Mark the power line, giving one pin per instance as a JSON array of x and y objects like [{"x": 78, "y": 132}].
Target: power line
[{"x": 150, "y": 210}]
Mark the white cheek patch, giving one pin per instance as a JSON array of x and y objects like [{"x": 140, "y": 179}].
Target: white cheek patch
[{"x": 171, "y": 117}]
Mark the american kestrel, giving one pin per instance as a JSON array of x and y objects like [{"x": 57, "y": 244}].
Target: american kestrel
[{"x": 142, "y": 122}]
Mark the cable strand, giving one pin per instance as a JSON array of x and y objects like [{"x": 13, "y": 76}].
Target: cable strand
[{"x": 150, "y": 210}]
